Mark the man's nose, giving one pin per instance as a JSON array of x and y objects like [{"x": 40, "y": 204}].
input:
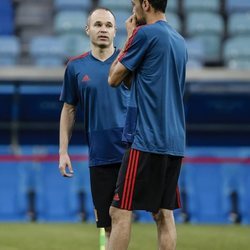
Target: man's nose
[{"x": 103, "y": 28}]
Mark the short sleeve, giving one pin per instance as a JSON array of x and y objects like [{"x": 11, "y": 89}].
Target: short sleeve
[
  {"x": 69, "y": 93},
  {"x": 135, "y": 50}
]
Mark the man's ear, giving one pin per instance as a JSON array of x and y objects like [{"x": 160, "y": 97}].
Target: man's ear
[
  {"x": 87, "y": 29},
  {"x": 145, "y": 5}
]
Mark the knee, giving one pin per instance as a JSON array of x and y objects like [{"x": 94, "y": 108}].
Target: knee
[
  {"x": 163, "y": 216},
  {"x": 119, "y": 216}
]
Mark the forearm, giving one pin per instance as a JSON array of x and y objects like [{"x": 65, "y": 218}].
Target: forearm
[{"x": 67, "y": 121}]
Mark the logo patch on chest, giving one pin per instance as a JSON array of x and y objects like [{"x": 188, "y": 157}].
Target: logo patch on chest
[{"x": 85, "y": 78}]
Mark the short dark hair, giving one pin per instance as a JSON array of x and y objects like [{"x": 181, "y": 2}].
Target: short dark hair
[
  {"x": 99, "y": 8},
  {"x": 158, "y": 5}
]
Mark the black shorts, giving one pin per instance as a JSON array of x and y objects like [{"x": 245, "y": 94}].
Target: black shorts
[
  {"x": 148, "y": 182},
  {"x": 103, "y": 182}
]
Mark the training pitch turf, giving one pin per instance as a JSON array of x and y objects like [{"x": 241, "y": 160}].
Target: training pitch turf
[{"x": 86, "y": 237}]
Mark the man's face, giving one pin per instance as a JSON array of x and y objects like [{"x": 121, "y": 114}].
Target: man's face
[
  {"x": 138, "y": 11},
  {"x": 101, "y": 28}
]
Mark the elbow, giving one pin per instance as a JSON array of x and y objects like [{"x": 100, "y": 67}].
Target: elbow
[{"x": 112, "y": 82}]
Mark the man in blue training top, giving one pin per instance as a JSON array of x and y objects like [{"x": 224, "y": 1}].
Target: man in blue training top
[
  {"x": 155, "y": 127},
  {"x": 86, "y": 81}
]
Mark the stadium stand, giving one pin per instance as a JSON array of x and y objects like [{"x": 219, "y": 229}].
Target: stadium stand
[
  {"x": 238, "y": 24},
  {"x": 6, "y": 18},
  {"x": 196, "y": 5},
  {"x": 199, "y": 26},
  {"x": 47, "y": 51},
  {"x": 61, "y": 5},
  {"x": 236, "y": 52},
  {"x": 215, "y": 178},
  {"x": 237, "y": 6},
  {"x": 10, "y": 50}
]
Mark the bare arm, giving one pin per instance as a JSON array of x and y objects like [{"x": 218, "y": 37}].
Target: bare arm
[
  {"x": 67, "y": 121},
  {"x": 118, "y": 72}
]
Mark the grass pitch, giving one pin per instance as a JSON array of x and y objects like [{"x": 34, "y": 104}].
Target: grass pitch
[{"x": 86, "y": 237}]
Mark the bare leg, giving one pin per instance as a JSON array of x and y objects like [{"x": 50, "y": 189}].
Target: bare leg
[
  {"x": 107, "y": 237},
  {"x": 166, "y": 229},
  {"x": 121, "y": 229}
]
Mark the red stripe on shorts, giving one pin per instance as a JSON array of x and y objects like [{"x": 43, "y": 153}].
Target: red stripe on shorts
[
  {"x": 178, "y": 197},
  {"x": 127, "y": 178},
  {"x": 133, "y": 183}
]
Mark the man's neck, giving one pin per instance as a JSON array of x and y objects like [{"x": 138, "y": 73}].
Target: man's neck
[
  {"x": 102, "y": 54},
  {"x": 155, "y": 17}
]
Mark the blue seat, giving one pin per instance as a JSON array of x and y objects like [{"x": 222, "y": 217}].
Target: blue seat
[
  {"x": 237, "y": 6},
  {"x": 121, "y": 15},
  {"x": 174, "y": 21},
  {"x": 196, "y": 53},
  {"x": 6, "y": 18},
  {"x": 114, "y": 4},
  {"x": 70, "y": 22},
  {"x": 9, "y": 50},
  {"x": 47, "y": 51},
  {"x": 13, "y": 193},
  {"x": 75, "y": 44},
  {"x": 236, "y": 52},
  {"x": 238, "y": 24},
  {"x": 72, "y": 5},
  {"x": 199, "y": 26},
  {"x": 173, "y": 6},
  {"x": 196, "y": 5}
]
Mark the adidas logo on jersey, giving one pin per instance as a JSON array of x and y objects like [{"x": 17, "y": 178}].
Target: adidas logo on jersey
[{"x": 85, "y": 78}]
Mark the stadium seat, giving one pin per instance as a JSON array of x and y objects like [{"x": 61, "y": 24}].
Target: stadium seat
[
  {"x": 47, "y": 51},
  {"x": 70, "y": 22},
  {"x": 114, "y": 4},
  {"x": 13, "y": 193},
  {"x": 196, "y": 53},
  {"x": 199, "y": 26},
  {"x": 61, "y": 5},
  {"x": 174, "y": 21},
  {"x": 33, "y": 14},
  {"x": 6, "y": 18},
  {"x": 197, "y": 5},
  {"x": 236, "y": 52},
  {"x": 9, "y": 50},
  {"x": 75, "y": 44},
  {"x": 237, "y": 6},
  {"x": 238, "y": 24},
  {"x": 173, "y": 6},
  {"x": 121, "y": 16}
]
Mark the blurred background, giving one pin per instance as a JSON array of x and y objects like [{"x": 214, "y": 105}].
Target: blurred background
[{"x": 36, "y": 39}]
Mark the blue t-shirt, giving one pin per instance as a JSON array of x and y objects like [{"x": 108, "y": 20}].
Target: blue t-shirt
[
  {"x": 104, "y": 108},
  {"x": 157, "y": 56}
]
